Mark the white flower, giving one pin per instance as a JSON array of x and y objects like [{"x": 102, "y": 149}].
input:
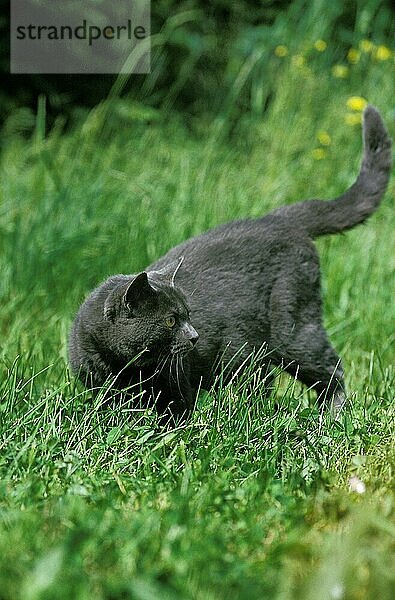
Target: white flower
[
  {"x": 337, "y": 591},
  {"x": 356, "y": 485}
]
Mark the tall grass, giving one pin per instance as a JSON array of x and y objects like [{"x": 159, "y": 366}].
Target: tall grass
[{"x": 252, "y": 498}]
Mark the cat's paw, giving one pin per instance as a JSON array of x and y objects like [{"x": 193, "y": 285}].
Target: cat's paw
[{"x": 337, "y": 404}]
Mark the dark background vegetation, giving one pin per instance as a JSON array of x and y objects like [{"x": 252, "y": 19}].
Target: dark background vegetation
[{"x": 201, "y": 47}]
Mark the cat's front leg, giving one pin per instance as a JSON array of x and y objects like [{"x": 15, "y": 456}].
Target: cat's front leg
[
  {"x": 93, "y": 372},
  {"x": 174, "y": 394},
  {"x": 172, "y": 409}
]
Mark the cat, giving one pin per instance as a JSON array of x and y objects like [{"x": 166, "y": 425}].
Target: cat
[{"x": 219, "y": 297}]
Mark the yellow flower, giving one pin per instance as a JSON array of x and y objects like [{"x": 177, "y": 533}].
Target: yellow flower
[
  {"x": 366, "y": 45},
  {"x": 340, "y": 71},
  {"x": 320, "y": 45},
  {"x": 353, "y": 56},
  {"x": 383, "y": 53},
  {"x": 281, "y": 51},
  {"x": 298, "y": 60},
  {"x": 318, "y": 153},
  {"x": 353, "y": 119},
  {"x": 324, "y": 138},
  {"x": 356, "y": 103}
]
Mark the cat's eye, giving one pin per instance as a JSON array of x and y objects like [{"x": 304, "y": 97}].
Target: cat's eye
[{"x": 170, "y": 321}]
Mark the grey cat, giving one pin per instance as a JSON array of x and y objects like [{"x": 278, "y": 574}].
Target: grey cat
[{"x": 220, "y": 296}]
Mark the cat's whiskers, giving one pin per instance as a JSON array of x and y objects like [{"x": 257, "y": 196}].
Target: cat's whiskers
[
  {"x": 174, "y": 374},
  {"x": 192, "y": 293},
  {"x": 182, "y": 365},
  {"x": 161, "y": 363},
  {"x": 171, "y": 367},
  {"x": 178, "y": 359}
]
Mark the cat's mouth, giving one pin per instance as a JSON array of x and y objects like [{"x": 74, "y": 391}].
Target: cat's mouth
[
  {"x": 152, "y": 355},
  {"x": 182, "y": 348}
]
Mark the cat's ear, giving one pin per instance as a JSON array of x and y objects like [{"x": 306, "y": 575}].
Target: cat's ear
[
  {"x": 130, "y": 295},
  {"x": 139, "y": 290},
  {"x": 168, "y": 272}
]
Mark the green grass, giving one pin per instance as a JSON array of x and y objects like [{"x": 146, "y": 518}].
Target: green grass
[{"x": 251, "y": 499}]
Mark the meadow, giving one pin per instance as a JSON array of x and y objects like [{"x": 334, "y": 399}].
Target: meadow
[{"x": 253, "y": 498}]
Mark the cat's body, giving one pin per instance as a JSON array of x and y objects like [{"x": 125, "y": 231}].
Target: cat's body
[{"x": 246, "y": 285}]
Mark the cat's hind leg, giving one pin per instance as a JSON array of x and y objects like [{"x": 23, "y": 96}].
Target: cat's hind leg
[{"x": 297, "y": 336}]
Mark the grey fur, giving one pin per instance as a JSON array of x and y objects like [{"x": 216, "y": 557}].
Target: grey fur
[{"x": 246, "y": 285}]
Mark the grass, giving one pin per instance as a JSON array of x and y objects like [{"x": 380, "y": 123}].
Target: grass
[{"x": 251, "y": 499}]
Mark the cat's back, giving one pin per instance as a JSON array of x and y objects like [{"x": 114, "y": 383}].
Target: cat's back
[{"x": 238, "y": 244}]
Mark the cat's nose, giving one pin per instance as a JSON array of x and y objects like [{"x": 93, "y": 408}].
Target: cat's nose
[
  {"x": 195, "y": 338},
  {"x": 190, "y": 333}
]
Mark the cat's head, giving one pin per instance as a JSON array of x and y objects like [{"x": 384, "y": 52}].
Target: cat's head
[{"x": 148, "y": 319}]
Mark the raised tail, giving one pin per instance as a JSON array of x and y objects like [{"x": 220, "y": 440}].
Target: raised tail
[{"x": 319, "y": 217}]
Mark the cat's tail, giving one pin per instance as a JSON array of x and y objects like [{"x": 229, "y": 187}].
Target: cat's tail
[{"x": 362, "y": 198}]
